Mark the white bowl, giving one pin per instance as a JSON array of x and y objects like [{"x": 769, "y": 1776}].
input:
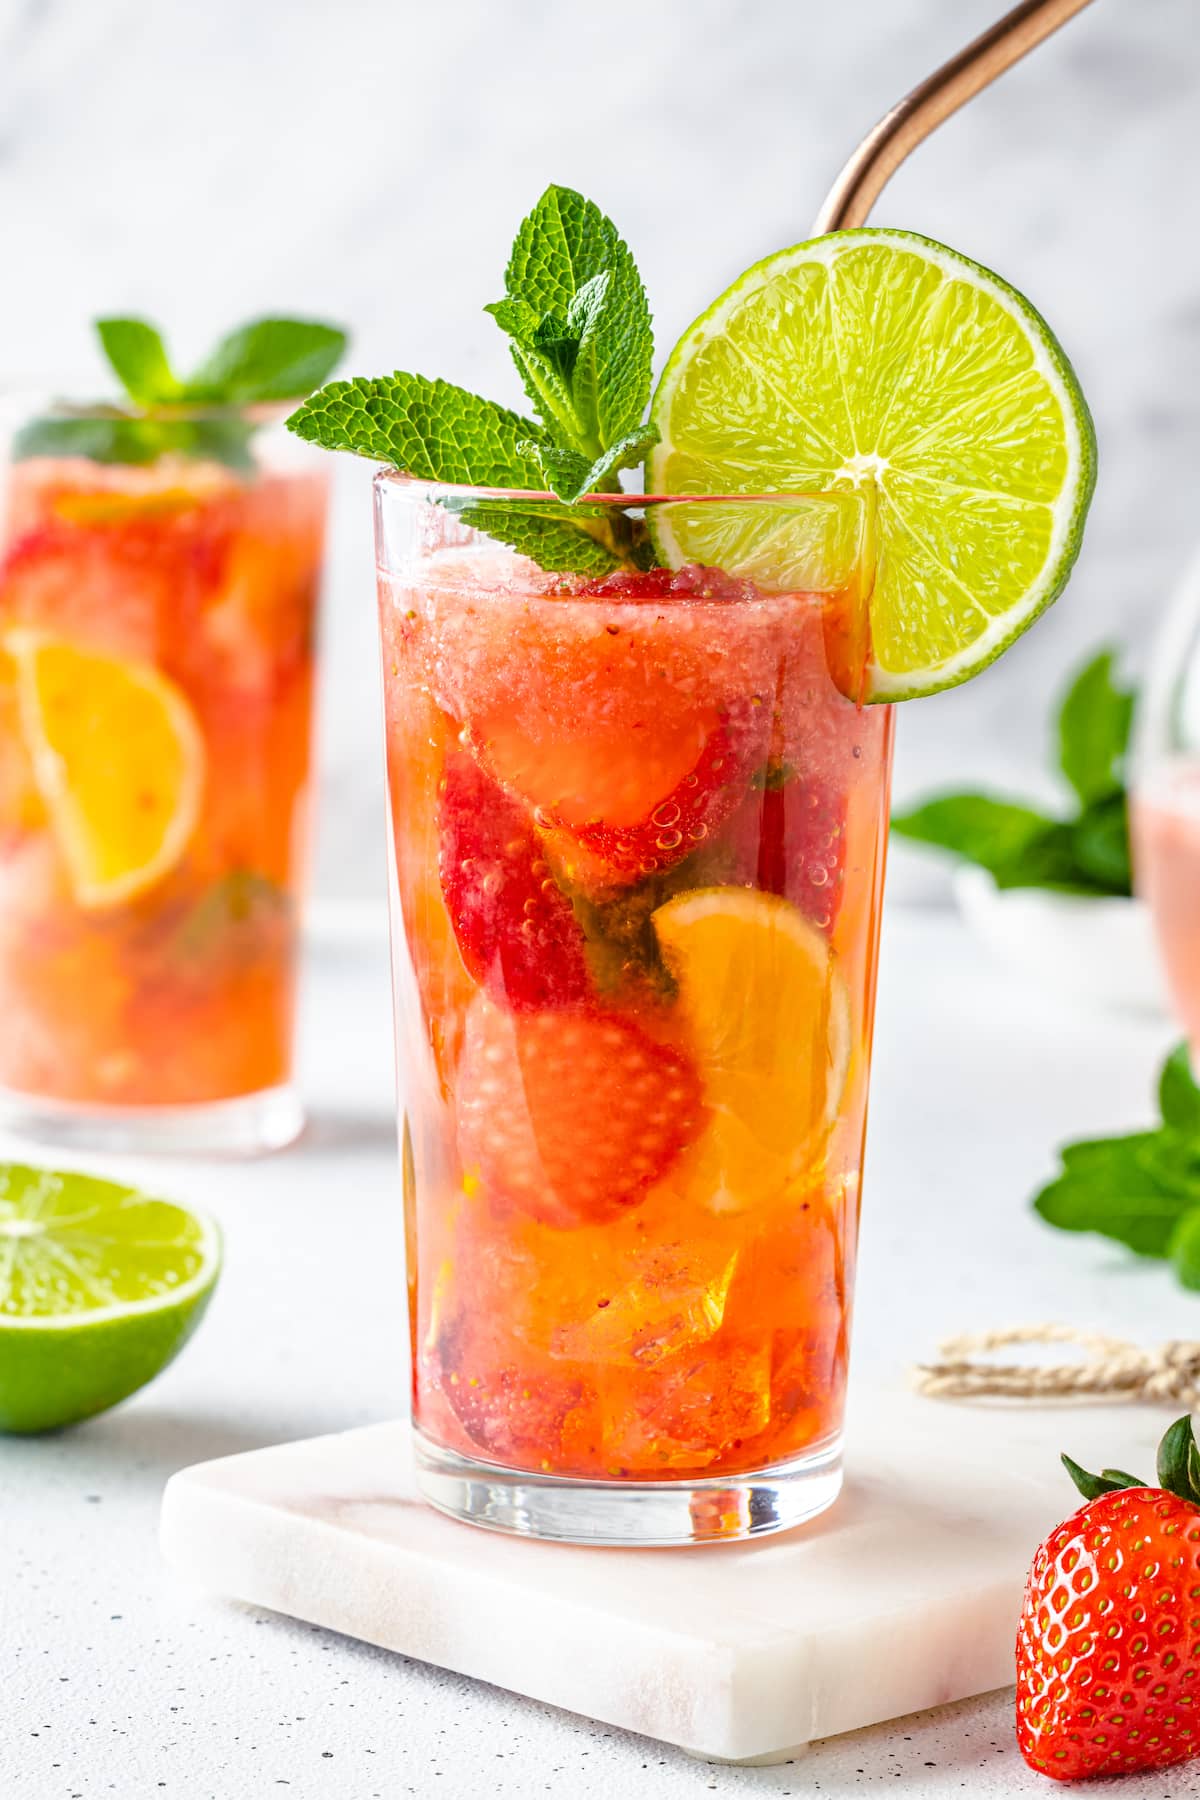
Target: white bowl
[{"x": 1101, "y": 950}]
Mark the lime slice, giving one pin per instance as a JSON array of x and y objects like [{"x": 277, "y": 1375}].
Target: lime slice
[
  {"x": 880, "y": 361},
  {"x": 100, "y": 1287}
]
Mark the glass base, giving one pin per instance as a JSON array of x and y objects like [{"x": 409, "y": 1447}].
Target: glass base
[
  {"x": 247, "y": 1126},
  {"x": 632, "y": 1514}
]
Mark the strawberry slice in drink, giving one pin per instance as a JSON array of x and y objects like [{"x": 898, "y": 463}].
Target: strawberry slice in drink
[
  {"x": 510, "y": 1410},
  {"x": 514, "y": 926},
  {"x": 625, "y": 715},
  {"x": 694, "y": 808},
  {"x": 571, "y": 1116},
  {"x": 788, "y": 837},
  {"x": 130, "y": 588}
]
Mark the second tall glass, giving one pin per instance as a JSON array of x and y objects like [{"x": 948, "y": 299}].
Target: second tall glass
[
  {"x": 638, "y": 821},
  {"x": 157, "y": 623}
]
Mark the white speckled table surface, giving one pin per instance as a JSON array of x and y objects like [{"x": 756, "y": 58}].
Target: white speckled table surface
[{"x": 118, "y": 1680}]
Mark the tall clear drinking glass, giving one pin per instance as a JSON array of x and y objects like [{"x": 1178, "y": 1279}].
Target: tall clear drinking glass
[
  {"x": 1164, "y": 802},
  {"x": 158, "y": 597},
  {"x": 638, "y": 822}
]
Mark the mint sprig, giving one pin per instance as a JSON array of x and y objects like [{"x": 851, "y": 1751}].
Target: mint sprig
[
  {"x": 1084, "y": 852},
  {"x": 1142, "y": 1189},
  {"x": 578, "y": 325},
  {"x": 267, "y": 360}
]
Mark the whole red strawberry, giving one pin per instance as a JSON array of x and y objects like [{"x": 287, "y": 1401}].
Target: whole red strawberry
[
  {"x": 514, "y": 926},
  {"x": 1108, "y": 1648}
]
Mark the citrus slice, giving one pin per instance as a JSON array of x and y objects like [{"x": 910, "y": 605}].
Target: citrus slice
[
  {"x": 118, "y": 758},
  {"x": 880, "y": 361},
  {"x": 768, "y": 1022},
  {"x": 21, "y": 806},
  {"x": 100, "y": 1287}
]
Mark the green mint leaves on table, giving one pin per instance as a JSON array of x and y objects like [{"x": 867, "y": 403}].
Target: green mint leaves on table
[
  {"x": 269, "y": 360},
  {"x": 1020, "y": 846},
  {"x": 1143, "y": 1190},
  {"x": 578, "y": 325}
]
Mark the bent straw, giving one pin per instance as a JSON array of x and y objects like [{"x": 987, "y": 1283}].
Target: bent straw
[{"x": 899, "y": 132}]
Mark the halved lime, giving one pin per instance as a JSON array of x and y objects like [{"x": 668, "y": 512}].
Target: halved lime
[
  {"x": 100, "y": 1287},
  {"x": 881, "y": 361}
]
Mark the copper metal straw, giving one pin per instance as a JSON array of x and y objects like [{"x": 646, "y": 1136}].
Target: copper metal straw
[{"x": 899, "y": 132}]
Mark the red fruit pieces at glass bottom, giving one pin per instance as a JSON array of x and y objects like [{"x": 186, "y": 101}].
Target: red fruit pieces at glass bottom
[
  {"x": 515, "y": 928},
  {"x": 1108, "y": 1647},
  {"x": 511, "y": 1412},
  {"x": 571, "y": 1116}
]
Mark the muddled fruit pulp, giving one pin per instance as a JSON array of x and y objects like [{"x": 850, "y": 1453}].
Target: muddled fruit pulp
[
  {"x": 638, "y": 854},
  {"x": 156, "y": 666}
]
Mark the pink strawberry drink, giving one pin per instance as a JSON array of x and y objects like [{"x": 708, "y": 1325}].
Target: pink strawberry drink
[{"x": 638, "y": 832}]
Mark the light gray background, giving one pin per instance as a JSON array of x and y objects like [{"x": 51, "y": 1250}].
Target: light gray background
[{"x": 369, "y": 159}]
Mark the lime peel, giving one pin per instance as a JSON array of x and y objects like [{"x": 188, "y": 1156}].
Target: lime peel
[
  {"x": 100, "y": 1288},
  {"x": 923, "y": 375}
]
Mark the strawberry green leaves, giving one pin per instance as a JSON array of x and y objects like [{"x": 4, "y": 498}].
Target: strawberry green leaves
[
  {"x": 1177, "y": 1468},
  {"x": 1141, "y": 1190},
  {"x": 578, "y": 326},
  {"x": 1084, "y": 853},
  {"x": 197, "y": 415}
]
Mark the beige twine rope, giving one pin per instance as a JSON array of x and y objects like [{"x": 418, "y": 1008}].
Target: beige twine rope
[{"x": 1112, "y": 1370}]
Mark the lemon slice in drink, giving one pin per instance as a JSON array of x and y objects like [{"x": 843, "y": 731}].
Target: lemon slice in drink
[
  {"x": 118, "y": 758},
  {"x": 768, "y": 1021},
  {"x": 100, "y": 1287},
  {"x": 882, "y": 361}
]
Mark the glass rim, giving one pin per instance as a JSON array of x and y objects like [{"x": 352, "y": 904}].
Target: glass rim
[{"x": 397, "y": 479}]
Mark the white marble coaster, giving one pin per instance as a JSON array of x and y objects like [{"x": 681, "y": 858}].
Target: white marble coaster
[{"x": 904, "y": 1596}]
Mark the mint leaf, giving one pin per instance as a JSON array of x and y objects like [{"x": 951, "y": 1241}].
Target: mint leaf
[
  {"x": 1022, "y": 848},
  {"x": 138, "y": 358},
  {"x": 269, "y": 359},
  {"x": 1094, "y": 722},
  {"x": 237, "y": 904},
  {"x": 101, "y": 438},
  {"x": 561, "y": 248},
  {"x": 565, "y": 472},
  {"x": 570, "y": 475},
  {"x": 1100, "y": 844},
  {"x": 429, "y": 429},
  {"x": 1142, "y": 1190},
  {"x": 1184, "y": 1249},
  {"x": 976, "y": 827},
  {"x": 437, "y": 432},
  {"x": 1048, "y": 860},
  {"x": 539, "y": 367},
  {"x": 561, "y": 546},
  {"x": 1120, "y": 1188},
  {"x": 1178, "y": 1093},
  {"x": 113, "y": 437}
]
